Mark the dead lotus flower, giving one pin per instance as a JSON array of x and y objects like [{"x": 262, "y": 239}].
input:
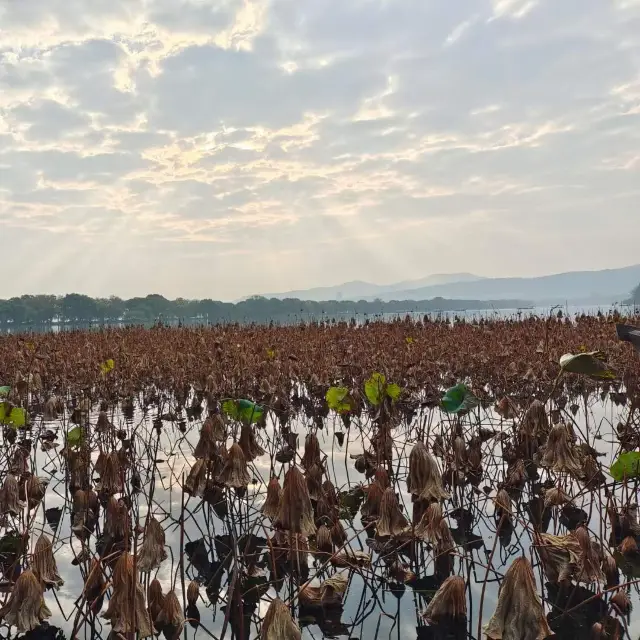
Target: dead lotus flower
[
  {"x": 329, "y": 594},
  {"x": 10, "y": 497},
  {"x": 171, "y": 618},
  {"x": 278, "y": 624},
  {"x": 249, "y": 444},
  {"x": 519, "y": 614},
  {"x": 272, "y": 503},
  {"x": 43, "y": 563},
  {"x": 296, "y": 513},
  {"x": 235, "y": 473},
  {"x": 418, "y": 468},
  {"x": 127, "y": 611},
  {"x": 152, "y": 552},
  {"x": 392, "y": 522},
  {"x": 449, "y": 603},
  {"x": 26, "y": 608}
]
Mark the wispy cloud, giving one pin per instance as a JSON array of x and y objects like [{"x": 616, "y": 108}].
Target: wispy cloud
[{"x": 295, "y": 142}]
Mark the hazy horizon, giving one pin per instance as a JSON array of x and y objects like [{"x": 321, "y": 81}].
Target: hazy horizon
[{"x": 219, "y": 149}]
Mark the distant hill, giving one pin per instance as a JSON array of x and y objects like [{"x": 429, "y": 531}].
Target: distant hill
[
  {"x": 577, "y": 287},
  {"x": 360, "y": 290}
]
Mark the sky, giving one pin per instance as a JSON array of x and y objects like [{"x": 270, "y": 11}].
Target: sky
[{"x": 221, "y": 148}]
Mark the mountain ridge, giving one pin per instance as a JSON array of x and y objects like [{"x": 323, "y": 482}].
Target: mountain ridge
[{"x": 604, "y": 286}]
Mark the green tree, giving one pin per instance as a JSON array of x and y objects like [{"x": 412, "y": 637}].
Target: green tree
[{"x": 79, "y": 308}]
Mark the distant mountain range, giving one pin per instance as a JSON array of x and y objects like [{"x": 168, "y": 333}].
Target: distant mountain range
[
  {"x": 360, "y": 290},
  {"x": 576, "y": 287}
]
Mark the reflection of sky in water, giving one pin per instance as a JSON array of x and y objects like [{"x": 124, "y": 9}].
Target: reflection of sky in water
[{"x": 386, "y": 614}]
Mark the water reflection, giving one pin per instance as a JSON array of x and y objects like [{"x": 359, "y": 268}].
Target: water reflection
[{"x": 385, "y": 597}]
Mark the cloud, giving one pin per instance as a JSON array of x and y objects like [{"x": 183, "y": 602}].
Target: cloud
[{"x": 222, "y": 148}]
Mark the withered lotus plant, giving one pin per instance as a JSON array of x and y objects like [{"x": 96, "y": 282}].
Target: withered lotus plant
[
  {"x": 85, "y": 513},
  {"x": 504, "y": 509},
  {"x": 610, "y": 570},
  {"x": 152, "y": 552},
  {"x": 78, "y": 468},
  {"x": 329, "y": 493},
  {"x": 392, "y": 522},
  {"x": 278, "y": 624},
  {"x": 211, "y": 433},
  {"x": 25, "y": 608},
  {"x": 298, "y": 553},
  {"x": 249, "y": 443},
  {"x": 324, "y": 543},
  {"x": 193, "y": 613},
  {"x": 534, "y": 428},
  {"x": 589, "y": 568},
  {"x": 10, "y": 496},
  {"x": 272, "y": 503},
  {"x": 372, "y": 502},
  {"x": 155, "y": 599},
  {"x": 560, "y": 454},
  {"x": 314, "y": 481},
  {"x": 171, "y": 618},
  {"x": 311, "y": 452},
  {"x": 235, "y": 473},
  {"x": 104, "y": 425},
  {"x": 116, "y": 520},
  {"x": 429, "y": 526},
  {"x": 196, "y": 482},
  {"x": 329, "y": 594},
  {"x": 94, "y": 587},
  {"x": 519, "y": 612},
  {"x": 43, "y": 563},
  {"x": 419, "y": 468},
  {"x": 35, "y": 488},
  {"x": 111, "y": 480},
  {"x": 296, "y": 513},
  {"x": 193, "y": 592},
  {"x": 338, "y": 534},
  {"x": 556, "y": 497},
  {"x": 621, "y": 602},
  {"x": 127, "y": 611},
  {"x": 19, "y": 462},
  {"x": 449, "y": 602},
  {"x": 443, "y": 550},
  {"x": 432, "y": 489},
  {"x": 629, "y": 546},
  {"x": 560, "y": 556}
]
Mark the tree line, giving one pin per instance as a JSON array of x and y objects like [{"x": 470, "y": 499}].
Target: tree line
[{"x": 78, "y": 309}]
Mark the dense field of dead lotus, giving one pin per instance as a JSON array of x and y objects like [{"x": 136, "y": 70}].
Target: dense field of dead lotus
[{"x": 450, "y": 480}]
